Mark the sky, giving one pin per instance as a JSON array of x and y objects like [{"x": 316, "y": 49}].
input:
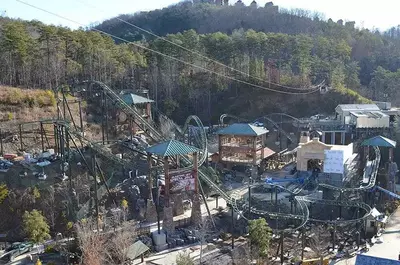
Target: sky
[{"x": 367, "y": 13}]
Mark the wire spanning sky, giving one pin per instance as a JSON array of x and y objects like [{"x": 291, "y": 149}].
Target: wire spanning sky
[{"x": 369, "y": 14}]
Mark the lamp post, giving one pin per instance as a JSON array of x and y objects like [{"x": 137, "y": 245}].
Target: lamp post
[{"x": 233, "y": 225}]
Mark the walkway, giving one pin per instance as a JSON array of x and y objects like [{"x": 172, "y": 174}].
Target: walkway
[{"x": 390, "y": 247}]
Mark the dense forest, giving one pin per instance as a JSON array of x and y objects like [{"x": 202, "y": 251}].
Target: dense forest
[{"x": 294, "y": 48}]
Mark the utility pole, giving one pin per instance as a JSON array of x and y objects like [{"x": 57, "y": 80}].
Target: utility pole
[
  {"x": 20, "y": 137},
  {"x": 1, "y": 142},
  {"x": 95, "y": 191}
]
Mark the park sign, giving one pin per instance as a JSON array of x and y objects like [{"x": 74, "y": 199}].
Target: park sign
[{"x": 182, "y": 181}]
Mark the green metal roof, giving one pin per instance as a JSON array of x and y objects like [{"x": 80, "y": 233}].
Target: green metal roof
[
  {"x": 136, "y": 249},
  {"x": 171, "y": 148},
  {"x": 243, "y": 129},
  {"x": 135, "y": 99},
  {"x": 379, "y": 141}
]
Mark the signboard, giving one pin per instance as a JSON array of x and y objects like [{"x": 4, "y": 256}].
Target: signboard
[
  {"x": 181, "y": 182},
  {"x": 334, "y": 161}
]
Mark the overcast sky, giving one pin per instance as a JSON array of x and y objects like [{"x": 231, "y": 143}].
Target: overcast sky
[{"x": 379, "y": 14}]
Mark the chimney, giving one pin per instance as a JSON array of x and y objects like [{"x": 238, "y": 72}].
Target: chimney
[{"x": 304, "y": 137}]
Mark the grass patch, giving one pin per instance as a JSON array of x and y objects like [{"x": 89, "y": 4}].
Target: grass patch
[
  {"x": 353, "y": 95},
  {"x": 27, "y": 97}
]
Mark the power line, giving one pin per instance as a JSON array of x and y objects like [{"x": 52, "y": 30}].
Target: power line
[
  {"x": 168, "y": 56},
  {"x": 191, "y": 51}
]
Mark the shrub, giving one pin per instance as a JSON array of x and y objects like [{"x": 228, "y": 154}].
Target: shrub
[{"x": 10, "y": 116}]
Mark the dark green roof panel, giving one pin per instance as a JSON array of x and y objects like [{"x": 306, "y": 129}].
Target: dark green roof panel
[
  {"x": 135, "y": 99},
  {"x": 379, "y": 141},
  {"x": 171, "y": 148},
  {"x": 243, "y": 129}
]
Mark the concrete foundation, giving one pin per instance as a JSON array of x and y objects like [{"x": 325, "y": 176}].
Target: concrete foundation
[
  {"x": 151, "y": 212},
  {"x": 168, "y": 221},
  {"x": 196, "y": 211},
  {"x": 178, "y": 205},
  {"x": 159, "y": 239}
]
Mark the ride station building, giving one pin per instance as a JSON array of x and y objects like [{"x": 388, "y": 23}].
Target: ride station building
[{"x": 244, "y": 144}]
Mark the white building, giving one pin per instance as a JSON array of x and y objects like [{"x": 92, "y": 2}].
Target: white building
[
  {"x": 343, "y": 110},
  {"x": 369, "y": 119}
]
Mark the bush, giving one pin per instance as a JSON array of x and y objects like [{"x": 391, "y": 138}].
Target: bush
[
  {"x": 49, "y": 249},
  {"x": 10, "y": 116}
]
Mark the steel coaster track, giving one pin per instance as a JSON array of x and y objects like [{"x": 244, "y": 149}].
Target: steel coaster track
[{"x": 157, "y": 136}]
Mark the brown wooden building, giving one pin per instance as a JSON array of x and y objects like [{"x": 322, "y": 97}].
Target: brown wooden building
[
  {"x": 141, "y": 104},
  {"x": 242, "y": 143}
]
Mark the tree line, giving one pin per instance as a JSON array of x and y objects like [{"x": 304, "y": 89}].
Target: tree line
[{"x": 36, "y": 55}]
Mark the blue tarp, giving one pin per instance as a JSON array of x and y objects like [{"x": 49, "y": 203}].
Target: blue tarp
[{"x": 368, "y": 260}]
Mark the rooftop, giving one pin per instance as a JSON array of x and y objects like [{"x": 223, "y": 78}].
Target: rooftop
[
  {"x": 369, "y": 260},
  {"x": 243, "y": 129},
  {"x": 369, "y": 114},
  {"x": 354, "y": 107},
  {"x": 379, "y": 141},
  {"x": 171, "y": 148},
  {"x": 135, "y": 99}
]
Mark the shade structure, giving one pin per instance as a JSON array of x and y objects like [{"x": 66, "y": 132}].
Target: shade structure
[
  {"x": 135, "y": 99},
  {"x": 243, "y": 129},
  {"x": 171, "y": 148},
  {"x": 379, "y": 141}
]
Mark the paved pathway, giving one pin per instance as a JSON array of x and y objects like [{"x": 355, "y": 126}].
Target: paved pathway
[{"x": 390, "y": 248}]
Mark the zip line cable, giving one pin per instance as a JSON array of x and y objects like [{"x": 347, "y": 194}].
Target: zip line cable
[
  {"x": 170, "y": 57},
  {"x": 191, "y": 51}
]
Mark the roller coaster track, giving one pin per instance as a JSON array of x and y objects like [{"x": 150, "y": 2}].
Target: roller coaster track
[{"x": 232, "y": 199}]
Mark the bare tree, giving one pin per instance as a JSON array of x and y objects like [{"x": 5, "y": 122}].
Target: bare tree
[
  {"x": 50, "y": 209},
  {"x": 119, "y": 243},
  {"x": 91, "y": 242},
  {"x": 183, "y": 258},
  {"x": 319, "y": 241},
  {"x": 242, "y": 255},
  {"x": 204, "y": 231}
]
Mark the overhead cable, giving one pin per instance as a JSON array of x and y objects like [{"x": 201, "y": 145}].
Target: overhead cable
[
  {"x": 192, "y": 51},
  {"x": 170, "y": 57}
]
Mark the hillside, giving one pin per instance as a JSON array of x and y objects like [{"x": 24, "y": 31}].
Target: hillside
[{"x": 258, "y": 45}]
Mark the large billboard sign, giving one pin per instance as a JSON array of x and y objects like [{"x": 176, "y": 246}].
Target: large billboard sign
[{"x": 181, "y": 182}]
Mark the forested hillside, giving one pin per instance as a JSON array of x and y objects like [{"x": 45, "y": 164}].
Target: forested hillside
[{"x": 292, "y": 48}]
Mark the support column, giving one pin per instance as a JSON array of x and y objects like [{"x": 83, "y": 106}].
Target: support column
[
  {"x": 41, "y": 135},
  {"x": 80, "y": 117},
  {"x": 151, "y": 209},
  {"x": 168, "y": 221},
  {"x": 148, "y": 111},
  {"x": 196, "y": 206}
]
